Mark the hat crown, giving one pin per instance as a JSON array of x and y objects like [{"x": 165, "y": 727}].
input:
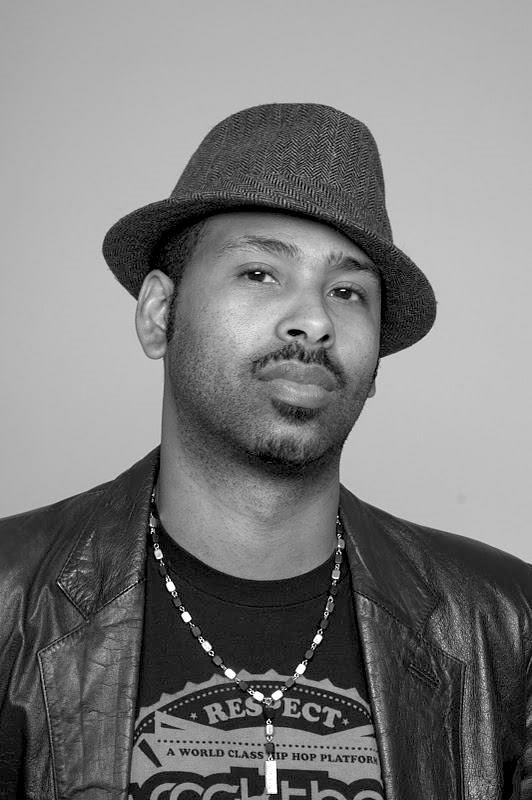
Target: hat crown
[{"x": 313, "y": 151}]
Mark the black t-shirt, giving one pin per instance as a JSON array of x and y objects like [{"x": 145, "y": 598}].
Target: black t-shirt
[{"x": 197, "y": 735}]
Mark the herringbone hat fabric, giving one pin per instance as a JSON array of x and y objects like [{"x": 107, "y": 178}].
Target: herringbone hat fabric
[{"x": 299, "y": 158}]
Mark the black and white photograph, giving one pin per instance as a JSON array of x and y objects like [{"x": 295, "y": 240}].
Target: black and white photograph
[{"x": 265, "y": 404}]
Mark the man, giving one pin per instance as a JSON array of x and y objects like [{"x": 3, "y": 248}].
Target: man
[{"x": 224, "y": 620}]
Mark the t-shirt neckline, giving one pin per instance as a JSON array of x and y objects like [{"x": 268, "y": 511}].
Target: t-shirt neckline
[{"x": 242, "y": 591}]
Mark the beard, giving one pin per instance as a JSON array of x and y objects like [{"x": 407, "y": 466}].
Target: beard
[{"x": 223, "y": 410}]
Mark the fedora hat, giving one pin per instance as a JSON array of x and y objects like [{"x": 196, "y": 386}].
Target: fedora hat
[{"x": 297, "y": 158}]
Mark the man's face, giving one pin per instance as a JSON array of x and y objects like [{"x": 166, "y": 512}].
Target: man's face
[{"x": 276, "y": 339}]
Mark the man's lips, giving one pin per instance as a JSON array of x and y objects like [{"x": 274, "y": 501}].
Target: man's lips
[{"x": 310, "y": 374}]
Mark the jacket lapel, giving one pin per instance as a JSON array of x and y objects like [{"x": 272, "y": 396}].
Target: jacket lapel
[
  {"x": 90, "y": 675},
  {"x": 415, "y": 687}
]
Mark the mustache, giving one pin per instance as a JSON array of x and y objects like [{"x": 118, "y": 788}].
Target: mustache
[{"x": 296, "y": 352}]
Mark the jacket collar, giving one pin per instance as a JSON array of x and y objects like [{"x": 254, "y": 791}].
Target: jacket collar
[
  {"x": 110, "y": 553},
  {"x": 382, "y": 563}
]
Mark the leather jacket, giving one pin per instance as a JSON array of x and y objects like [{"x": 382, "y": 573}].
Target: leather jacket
[{"x": 444, "y": 623}]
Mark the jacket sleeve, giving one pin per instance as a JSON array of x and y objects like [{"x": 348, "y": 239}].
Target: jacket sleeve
[
  {"x": 11, "y": 718},
  {"x": 526, "y": 772},
  {"x": 21, "y": 553}
]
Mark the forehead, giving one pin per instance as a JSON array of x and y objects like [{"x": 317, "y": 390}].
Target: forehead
[{"x": 241, "y": 230}]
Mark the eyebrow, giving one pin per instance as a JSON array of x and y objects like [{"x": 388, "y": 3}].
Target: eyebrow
[
  {"x": 339, "y": 261},
  {"x": 277, "y": 247},
  {"x": 264, "y": 244}
]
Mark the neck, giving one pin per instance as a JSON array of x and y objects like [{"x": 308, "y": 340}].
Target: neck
[{"x": 242, "y": 517}]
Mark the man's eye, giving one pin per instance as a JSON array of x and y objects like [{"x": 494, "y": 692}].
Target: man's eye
[
  {"x": 346, "y": 293},
  {"x": 259, "y": 276}
]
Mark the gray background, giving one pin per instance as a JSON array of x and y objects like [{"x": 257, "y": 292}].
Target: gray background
[{"x": 103, "y": 103}]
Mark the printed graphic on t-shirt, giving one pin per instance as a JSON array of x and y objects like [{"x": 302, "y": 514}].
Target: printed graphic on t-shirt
[{"x": 207, "y": 741}]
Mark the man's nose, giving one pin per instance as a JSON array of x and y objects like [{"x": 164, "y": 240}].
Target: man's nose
[{"x": 307, "y": 320}]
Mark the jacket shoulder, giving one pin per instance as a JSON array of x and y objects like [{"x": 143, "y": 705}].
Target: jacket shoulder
[
  {"x": 28, "y": 537},
  {"x": 451, "y": 559},
  {"x": 33, "y": 540}
]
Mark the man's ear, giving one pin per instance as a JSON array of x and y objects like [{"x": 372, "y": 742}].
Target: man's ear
[
  {"x": 373, "y": 388},
  {"x": 151, "y": 318}
]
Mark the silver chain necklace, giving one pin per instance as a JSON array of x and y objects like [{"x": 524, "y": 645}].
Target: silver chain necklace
[{"x": 271, "y": 703}]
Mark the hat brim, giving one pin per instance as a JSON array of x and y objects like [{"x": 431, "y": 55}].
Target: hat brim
[{"x": 408, "y": 307}]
